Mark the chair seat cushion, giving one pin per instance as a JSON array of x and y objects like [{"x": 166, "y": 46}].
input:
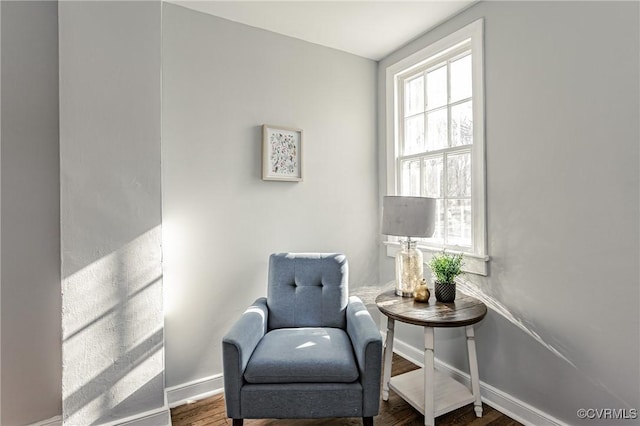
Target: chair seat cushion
[{"x": 303, "y": 355}]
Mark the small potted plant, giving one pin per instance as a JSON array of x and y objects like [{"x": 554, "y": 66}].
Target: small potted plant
[{"x": 446, "y": 267}]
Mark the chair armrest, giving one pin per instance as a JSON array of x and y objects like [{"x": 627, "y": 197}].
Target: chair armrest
[
  {"x": 367, "y": 345},
  {"x": 237, "y": 346}
]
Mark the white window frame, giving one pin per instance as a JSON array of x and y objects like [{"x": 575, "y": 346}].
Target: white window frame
[{"x": 476, "y": 259}]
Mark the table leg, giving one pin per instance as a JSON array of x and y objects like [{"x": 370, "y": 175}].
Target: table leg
[
  {"x": 388, "y": 356},
  {"x": 429, "y": 375},
  {"x": 473, "y": 369}
]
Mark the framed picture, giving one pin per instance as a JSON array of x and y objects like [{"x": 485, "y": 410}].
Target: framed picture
[{"x": 281, "y": 153}]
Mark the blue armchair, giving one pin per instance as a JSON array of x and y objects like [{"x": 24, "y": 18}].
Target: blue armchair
[{"x": 307, "y": 350}]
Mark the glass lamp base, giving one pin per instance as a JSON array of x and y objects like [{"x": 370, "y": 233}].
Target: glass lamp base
[
  {"x": 409, "y": 268},
  {"x": 403, "y": 293}
]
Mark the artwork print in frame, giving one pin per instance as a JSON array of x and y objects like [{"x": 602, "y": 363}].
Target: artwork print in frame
[{"x": 281, "y": 153}]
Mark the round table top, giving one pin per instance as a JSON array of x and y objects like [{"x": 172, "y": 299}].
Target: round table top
[{"x": 465, "y": 310}]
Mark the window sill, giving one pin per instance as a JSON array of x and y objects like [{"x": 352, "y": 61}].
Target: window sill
[{"x": 473, "y": 264}]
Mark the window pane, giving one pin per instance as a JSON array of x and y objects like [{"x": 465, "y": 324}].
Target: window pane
[
  {"x": 437, "y": 88},
  {"x": 459, "y": 175},
  {"x": 462, "y": 124},
  {"x": 438, "y": 234},
  {"x": 433, "y": 179},
  {"x": 414, "y": 134},
  {"x": 414, "y": 96},
  {"x": 459, "y": 222},
  {"x": 410, "y": 184},
  {"x": 437, "y": 129},
  {"x": 460, "y": 78}
]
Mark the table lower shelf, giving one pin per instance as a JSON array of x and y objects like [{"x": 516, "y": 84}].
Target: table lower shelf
[{"x": 449, "y": 394}]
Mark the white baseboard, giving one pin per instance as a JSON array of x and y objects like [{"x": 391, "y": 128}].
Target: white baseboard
[
  {"x": 53, "y": 421},
  {"x": 156, "y": 417},
  {"x": 195, "y": 390},
  {"x": 174, "y": 396},
  {"x": 502, "y": 401}
]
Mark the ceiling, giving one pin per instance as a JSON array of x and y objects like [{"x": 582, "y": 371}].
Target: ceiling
[{"x": 371, "y": 29}]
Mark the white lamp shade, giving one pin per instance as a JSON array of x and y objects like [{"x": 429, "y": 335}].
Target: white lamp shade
[{"x": 408, "y": 216}]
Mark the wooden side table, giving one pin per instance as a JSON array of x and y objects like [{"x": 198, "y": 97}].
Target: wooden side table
[{"x": 427, "y": 390}]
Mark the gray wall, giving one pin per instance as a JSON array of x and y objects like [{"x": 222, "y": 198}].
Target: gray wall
[
  {"x": 562, "y": 131},
  {"x": 112, "y": 312},
  {"x": 562, "y": 183},
  {"x": 30, "y": 280},
  {"x": 221, "y": 82}
]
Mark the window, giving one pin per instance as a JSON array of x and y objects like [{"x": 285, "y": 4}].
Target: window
[{"x": 435, "y": 133}]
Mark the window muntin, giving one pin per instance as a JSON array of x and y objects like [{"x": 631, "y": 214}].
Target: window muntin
[{"x": 435, "y": 141}]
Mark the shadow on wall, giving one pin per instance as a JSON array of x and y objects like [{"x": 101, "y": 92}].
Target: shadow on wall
[
  {"x": 112, "y": 320},
  {"x": 558, "y": 351}
]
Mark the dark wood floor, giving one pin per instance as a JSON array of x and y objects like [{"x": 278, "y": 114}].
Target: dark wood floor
[{"x": 395, "y": 412}]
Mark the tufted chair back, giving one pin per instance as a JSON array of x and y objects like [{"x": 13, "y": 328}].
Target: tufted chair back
[{"x": 307, "y": 290}]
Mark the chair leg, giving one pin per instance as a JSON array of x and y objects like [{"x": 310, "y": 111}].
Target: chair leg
[
  {"x": 367, "y": 421},
  {"x": 238, "y": 422}
]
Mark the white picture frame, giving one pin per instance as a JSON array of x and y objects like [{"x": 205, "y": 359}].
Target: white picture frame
[{"x": 281, "y": 153}]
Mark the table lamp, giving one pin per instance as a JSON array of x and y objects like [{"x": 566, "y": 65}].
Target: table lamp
[{"x": 408, "y": 217}]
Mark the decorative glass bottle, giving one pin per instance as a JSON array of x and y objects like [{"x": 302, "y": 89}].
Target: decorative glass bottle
[{"x": 409, "y": 268}]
